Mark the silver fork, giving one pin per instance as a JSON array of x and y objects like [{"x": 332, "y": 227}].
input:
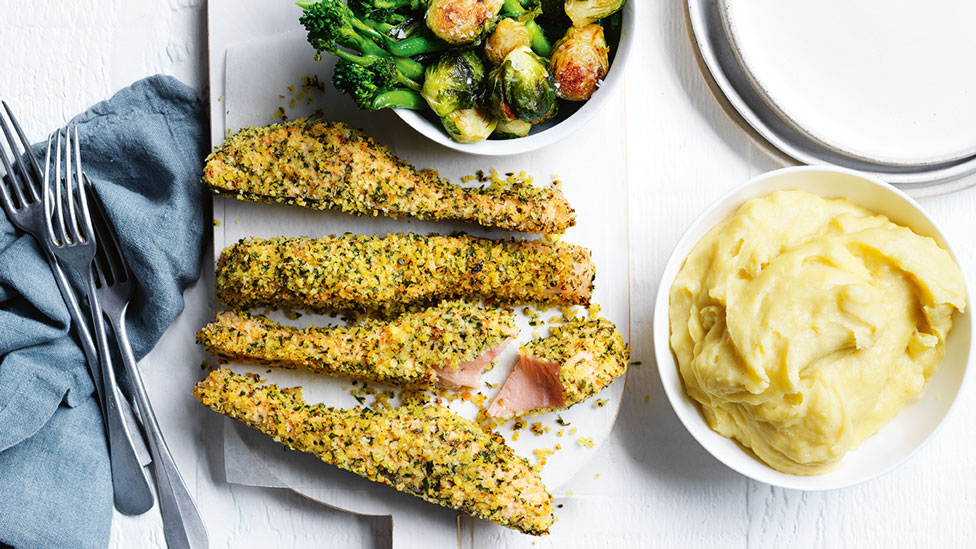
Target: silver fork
[
  {"x": 27, "y": 214},
  {"x": 73, "y": 243},
  {"x": 182, "y": 524}
]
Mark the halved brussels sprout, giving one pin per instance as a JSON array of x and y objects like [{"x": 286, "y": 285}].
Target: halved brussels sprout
[
  {"x": 512, "y": 129},
  {"x": 580, "y": 62},
  {"x": 453, "y": 81},
  {"x": 509, "y": 34},
  {"x": 584, "y": 12},
  {"x": 469, "y": 125},
  {"x": 522, "y": 88},
  {"x": 462, "y": 21}
]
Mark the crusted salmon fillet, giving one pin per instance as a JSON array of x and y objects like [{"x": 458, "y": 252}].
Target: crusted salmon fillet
[
  {"x": 575, "y": 362},
  {"x": 448, "y": 345},
  {"x": 328, "y": 165},
  {"x": 387, "y": 275},
  {"x": 426, "y": 451}
]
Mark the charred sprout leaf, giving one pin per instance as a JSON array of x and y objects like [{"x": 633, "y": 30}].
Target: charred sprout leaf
[
  {"x": 453, "y": 81},
  {"x": 584, "y": 12},
  {"x": 512, "y": 129},
  {"x": 522, "y": 88},
  {"x": 374, "y": 86},
  {"x": 461, "y": 22},
  {"x": 508, "y": 35},
  {"x": 469, "y": 125},
  {"x": 580, "y": 62}
]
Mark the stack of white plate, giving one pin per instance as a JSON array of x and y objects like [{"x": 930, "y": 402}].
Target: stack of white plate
[{"x": 886, "y": 87}]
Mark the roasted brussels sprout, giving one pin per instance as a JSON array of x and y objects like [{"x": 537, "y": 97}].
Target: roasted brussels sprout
[
  {"x": 512, "y": 129},
  {"x": 453, "y": 81},
  {"x": 579, "y": 62},
  {"x": 522, "y": 88},
  {"x": 462, "y": 21},
  {"x": 584, "y": 12},
  {"x": 509, "y": 34},
  {"x": 469, "y": 125},
  {"x": 526, "y": 11}
]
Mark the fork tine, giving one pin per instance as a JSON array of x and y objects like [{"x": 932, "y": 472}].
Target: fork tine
[
  {"x": 46, "y": 191},
  {"x": 11, "y": 174},
  {"x": 57, "y": 202},
  {"x": 32, "y": 183},
  {"x": 86, "y": 219},
  {"x": 109, "y": 249},
  {"x": 8, "y": 203},
  {"x": 69, "y": 189}
]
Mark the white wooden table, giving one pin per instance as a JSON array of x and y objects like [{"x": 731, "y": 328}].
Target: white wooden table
[{"x": 661, "y": 488}]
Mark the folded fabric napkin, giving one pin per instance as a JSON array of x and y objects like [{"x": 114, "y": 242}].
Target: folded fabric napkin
[{"x": 143, "y": 150}]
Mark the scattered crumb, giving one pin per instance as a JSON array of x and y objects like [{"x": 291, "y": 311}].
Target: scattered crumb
[
  {"x": 600, "y": 402},
  {"x": 291, "y": 315},
  {"x": 216, "y": 222},
  {"x": 382, "y": 399},
  {"x": 647, "y": 398},
  {"x": 541, "y": 455},
  {"x": 536, "y": 428},
  {"x": 572, "y": 431},
  {"x": 586, "y": 441}
]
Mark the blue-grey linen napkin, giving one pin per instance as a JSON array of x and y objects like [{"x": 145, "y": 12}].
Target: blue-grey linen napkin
[{"x": 143, "y": 150}]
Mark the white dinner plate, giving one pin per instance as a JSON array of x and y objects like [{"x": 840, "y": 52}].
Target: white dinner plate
[
  {"x": 889, "y": 82},
  {"x": 768, "y": 131}
]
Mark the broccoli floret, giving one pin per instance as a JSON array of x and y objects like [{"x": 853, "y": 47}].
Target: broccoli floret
[
  {"x": 385, "y": 11},
  {"x": 332, "y": 24},
  {"x": 375, "y": 84}
]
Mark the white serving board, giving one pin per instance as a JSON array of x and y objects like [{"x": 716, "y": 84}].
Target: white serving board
[{"x": 250, "y": 77}]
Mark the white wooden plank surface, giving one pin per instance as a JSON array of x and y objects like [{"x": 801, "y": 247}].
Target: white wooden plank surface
[{"x": 657, "y": 486}]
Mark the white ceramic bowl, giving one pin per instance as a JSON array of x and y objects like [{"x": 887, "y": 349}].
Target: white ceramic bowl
[
  {"x": 427, "y": 124},
  {"x": 909, "y": 430}
]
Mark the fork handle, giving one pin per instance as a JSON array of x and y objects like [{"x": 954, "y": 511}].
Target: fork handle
[
  {"x": 130, "y": 482},
  {"x": 91, "y": 356},
  {"x": 182, "y": 525}
]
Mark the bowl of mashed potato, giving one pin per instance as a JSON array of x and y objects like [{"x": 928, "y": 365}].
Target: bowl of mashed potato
[{"x": 812, "y": 328}]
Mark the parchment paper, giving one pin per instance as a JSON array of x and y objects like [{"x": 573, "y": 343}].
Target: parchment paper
[{"x": 260, "y": 73}]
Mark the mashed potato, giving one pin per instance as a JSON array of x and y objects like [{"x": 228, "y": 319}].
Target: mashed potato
[{"x": 803, "y": 325}]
